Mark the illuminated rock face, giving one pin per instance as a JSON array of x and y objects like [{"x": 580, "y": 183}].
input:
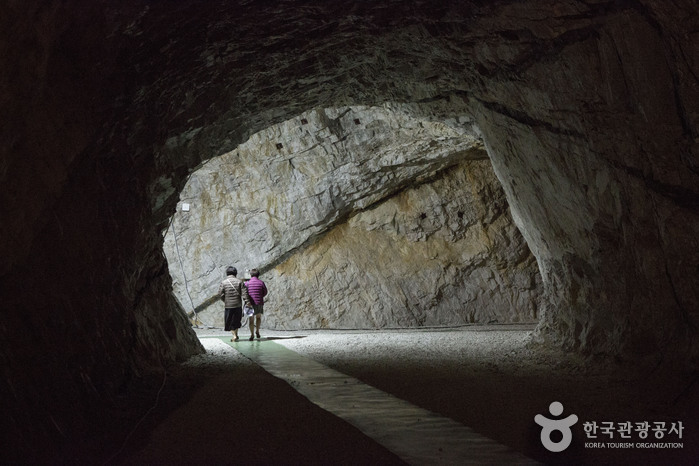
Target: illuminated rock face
[
  {"x": 588, "y": 112},
  {"x": 363, "y": 218},
  {"x": 443, "y": 253}
]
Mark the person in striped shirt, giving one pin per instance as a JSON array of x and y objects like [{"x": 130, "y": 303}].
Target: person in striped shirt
[{"x": 257, "y": 290}]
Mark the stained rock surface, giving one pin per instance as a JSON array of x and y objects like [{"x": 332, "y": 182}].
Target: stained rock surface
[{"x": 363, "y": 218}]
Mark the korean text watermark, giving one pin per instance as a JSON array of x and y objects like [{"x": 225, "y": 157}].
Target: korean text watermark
[
  {"x": 644, "y": 434},
  {"x": 608, "y": 434}
]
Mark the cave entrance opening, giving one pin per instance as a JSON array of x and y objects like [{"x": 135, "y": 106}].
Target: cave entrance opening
[{"x": 357, "y": 218}]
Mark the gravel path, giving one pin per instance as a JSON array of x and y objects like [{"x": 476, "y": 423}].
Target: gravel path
[{"x": 490, "y": 378}]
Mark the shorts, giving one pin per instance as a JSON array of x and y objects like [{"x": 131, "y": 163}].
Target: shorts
[
  {"x": 232, "y": 317},
  {"x": 258, "y": 308}
]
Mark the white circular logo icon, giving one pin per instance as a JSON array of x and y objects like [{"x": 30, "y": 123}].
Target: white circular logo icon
[{"x": 561, "y": 425}]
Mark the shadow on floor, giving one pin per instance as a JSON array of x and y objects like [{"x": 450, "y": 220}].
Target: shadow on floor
[{"x": 283, "y": 338}]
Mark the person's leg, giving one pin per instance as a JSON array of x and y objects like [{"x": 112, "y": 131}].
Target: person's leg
[
  {"x": 238, "y": 316},
  {"x": 229, "y": 322},
  {"x": 252, "y": 326},
  {"x": 258, "y": 319}
]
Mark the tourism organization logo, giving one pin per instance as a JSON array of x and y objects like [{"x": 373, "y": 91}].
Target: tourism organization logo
[
  {"x": 608, "y": 434},
  {"x": 549, "y": 426}
]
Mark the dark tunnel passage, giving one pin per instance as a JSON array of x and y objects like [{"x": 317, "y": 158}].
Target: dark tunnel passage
[{"x": 587, "y": 112}]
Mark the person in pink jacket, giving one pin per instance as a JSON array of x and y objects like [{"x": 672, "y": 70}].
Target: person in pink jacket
[{"x": 257, "y": 290}]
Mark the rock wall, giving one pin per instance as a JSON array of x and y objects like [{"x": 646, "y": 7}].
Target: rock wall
[
  {"x": 444, "y": 253},
  {"x": 606, "y": 194},
  {"x": 364, "y": 217}
]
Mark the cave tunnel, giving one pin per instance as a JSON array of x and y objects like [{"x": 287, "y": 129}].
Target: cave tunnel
[{"x": 587, "y": 113}]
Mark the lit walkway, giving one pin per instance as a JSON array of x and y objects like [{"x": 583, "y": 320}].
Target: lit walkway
[{"x": 414, "y": 434}]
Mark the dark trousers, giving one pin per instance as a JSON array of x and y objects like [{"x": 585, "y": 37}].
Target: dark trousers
[{"x": 232, "y": 318}]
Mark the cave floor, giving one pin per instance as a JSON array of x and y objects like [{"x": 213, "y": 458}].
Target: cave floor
[{"x": 223, "y": 408}]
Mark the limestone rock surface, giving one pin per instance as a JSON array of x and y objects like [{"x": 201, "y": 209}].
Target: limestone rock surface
[{"x": 361, "y": 217}]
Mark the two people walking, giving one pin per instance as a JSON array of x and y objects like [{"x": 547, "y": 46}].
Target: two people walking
[{"x": 234, "y": 293}]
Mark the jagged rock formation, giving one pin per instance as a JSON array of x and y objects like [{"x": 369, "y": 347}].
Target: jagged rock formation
[
  {"x": 432, "y": 242},
  {"x": 588, "y": 111},
  {"x": 446, "y": 253}
]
